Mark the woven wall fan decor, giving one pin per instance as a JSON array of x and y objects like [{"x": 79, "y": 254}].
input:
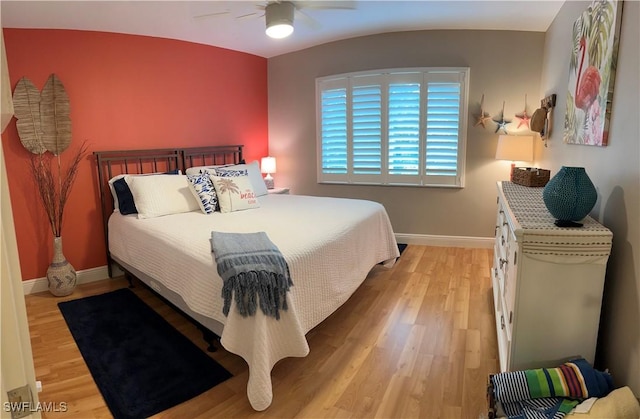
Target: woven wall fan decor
[
  {"x": 26, "y": 108},
  {"x": 54, "y": 116},
  {"x": 43, "y": 118}
]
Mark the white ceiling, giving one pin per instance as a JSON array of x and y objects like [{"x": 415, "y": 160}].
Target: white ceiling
[{"x": 177, "y": 19}]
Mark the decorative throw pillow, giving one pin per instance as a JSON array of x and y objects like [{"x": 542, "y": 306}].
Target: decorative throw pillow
[
  {"x": 116, "y": 194},
  {"x": 226, "y": 172},
  {"x": 235, "y": 193},
  {"x": 202, "y": 188},
  {"x": 252, "y": 169},
  {"x": 161, "y": 195},
  {"x": 196, "y": 170},
  {"x": 124, "y": 198}
]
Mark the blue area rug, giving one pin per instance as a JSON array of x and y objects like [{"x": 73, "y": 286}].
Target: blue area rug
[{"x": 140, "y": 363}]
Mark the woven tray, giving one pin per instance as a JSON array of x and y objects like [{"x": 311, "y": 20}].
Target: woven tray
[{"x": 530, "y": 176}]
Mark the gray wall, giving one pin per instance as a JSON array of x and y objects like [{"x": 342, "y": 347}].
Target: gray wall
[
  {"x": 505, "y": 66},
  {"x": 615, "y": 171}
]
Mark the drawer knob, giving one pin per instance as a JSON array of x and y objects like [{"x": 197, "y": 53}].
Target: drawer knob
[
  {"x": 502, "y": 240},
  {"x": 502, "y": 321}
]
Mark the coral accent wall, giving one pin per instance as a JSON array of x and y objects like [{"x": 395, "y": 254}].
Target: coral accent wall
[{"x": 126, "y": 92}]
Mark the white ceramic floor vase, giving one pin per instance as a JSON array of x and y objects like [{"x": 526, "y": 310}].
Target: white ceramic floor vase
[{"x": 60, "y": 274}]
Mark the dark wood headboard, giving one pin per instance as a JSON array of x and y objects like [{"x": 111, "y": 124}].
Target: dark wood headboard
[{"x": 117, "y": 162}]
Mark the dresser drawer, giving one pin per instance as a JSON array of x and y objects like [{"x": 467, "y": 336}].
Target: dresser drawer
[
  {"x": 498, "y": 272},
  {"x": 502, "y": 222},
  {"x": 500, "y": 248},
  {"x": 504, "y": 342},
  {"x": 510, "y": 280},
  {"x": 506, "y": 321},
  {"x": 502, "y": 235}
]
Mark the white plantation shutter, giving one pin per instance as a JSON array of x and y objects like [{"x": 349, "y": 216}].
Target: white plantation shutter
[
  {"x": 444, "y": 103},
  {"x": 404, "y": 129},
  {"x": 367, "y": 129},
  {"x": 333, "y": 124},
  {"x": 399, "y": 127}
]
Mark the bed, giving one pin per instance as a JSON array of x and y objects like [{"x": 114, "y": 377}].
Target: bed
[{"x": 329, "y": 244}]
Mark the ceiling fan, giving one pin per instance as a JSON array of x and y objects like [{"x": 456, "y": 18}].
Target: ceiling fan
[{"x": 279, "y": 15}]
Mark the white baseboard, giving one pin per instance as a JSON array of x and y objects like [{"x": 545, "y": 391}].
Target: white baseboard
[
  {"x": 33, "y": 286},
  {"x": 446, "y": 241}
]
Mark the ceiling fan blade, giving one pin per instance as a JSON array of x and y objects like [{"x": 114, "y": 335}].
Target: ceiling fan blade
[
  {"x": 212, "y": 14},
  {"x": 249, "y": 15},
  {"x": 260, "y": 13},
  {"x": 307, "y": 20},
  {"x": 327, "y": 5}
]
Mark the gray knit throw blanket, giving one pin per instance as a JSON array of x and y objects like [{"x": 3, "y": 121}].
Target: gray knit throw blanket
[{"x": 253, "y": 271}]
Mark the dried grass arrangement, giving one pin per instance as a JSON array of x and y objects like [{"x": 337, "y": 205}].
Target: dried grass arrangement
[{"x": 54, "y": 185}]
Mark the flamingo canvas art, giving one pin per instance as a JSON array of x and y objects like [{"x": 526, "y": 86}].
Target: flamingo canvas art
[{"x": 592, "y": 73}]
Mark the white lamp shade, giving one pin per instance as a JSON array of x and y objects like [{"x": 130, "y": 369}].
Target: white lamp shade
[
  {"x": 268, "y": 165},
  {"x": 279, "y": 31},
  {"x": 515, "y": 148}
]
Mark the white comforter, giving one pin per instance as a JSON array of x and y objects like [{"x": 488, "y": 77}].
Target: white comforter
[{"x": 330, "y": 245}]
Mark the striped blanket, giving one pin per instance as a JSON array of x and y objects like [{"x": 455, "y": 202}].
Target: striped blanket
[
  {"x": 549, "y": 392},
  {"x": 253, "y": 272}
]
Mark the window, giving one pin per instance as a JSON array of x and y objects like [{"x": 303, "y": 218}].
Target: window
[{"x": 393, "y": 127}]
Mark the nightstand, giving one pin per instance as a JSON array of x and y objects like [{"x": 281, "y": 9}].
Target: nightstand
[{"x": 281, "y": 191}]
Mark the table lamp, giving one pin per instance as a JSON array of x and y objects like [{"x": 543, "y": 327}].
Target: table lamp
[
  {"x": 268, "y": 166},
  {"x": 515, "y": 148}
]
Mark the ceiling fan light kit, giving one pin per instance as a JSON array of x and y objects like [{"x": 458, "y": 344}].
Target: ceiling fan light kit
[{"x": 279, "y": 18}]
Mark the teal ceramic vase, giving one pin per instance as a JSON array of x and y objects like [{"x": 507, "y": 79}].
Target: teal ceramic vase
[{"x": 570, "y": 196}]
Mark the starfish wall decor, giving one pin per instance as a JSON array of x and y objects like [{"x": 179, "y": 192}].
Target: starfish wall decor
[
  {"x": 502, "y": 123},
  {"x": 484, "y": 117},
  {"x": 523, "y": 117}
]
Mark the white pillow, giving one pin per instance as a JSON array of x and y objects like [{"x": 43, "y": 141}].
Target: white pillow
[
  {"x": 161, "y": 195},
  {"x": 253, "y": 169},
  {"x": 116, "y": 203},
  {"x": 234, "y": 193}
]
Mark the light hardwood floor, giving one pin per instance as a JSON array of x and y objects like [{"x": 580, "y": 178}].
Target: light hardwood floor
[{"x": 414, "y": 341}]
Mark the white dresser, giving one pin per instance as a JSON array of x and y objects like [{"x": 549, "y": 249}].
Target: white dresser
[{"x": 547, "y": 282}]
